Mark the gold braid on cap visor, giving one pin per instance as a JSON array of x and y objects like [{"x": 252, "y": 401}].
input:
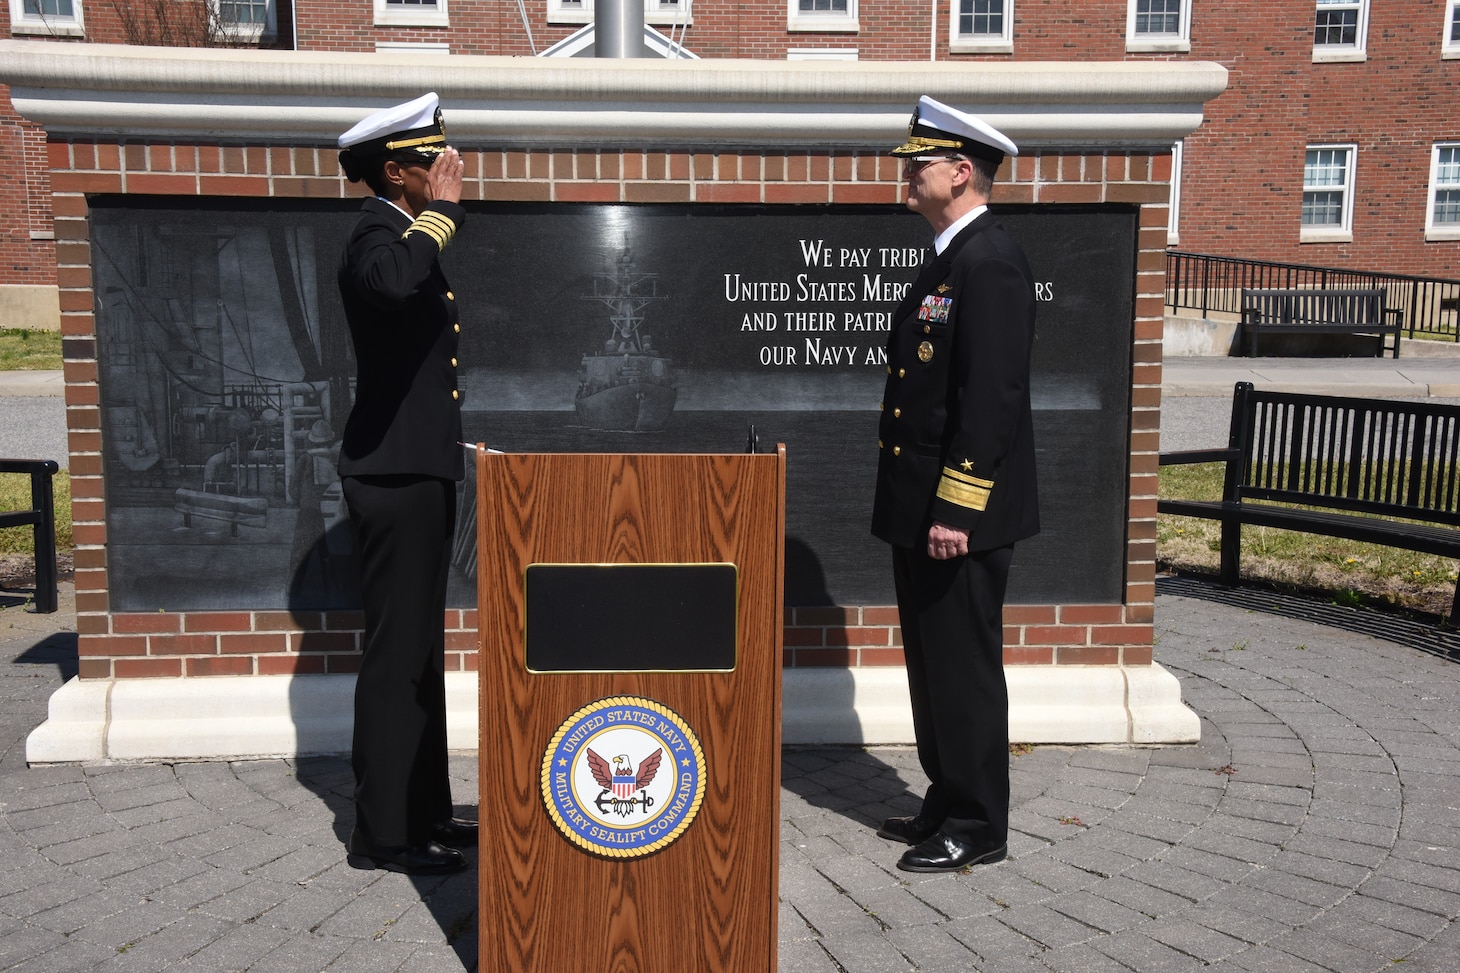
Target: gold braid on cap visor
[
  {"x": 433, "y": 142},
  {"x": 426, "y": 143},
  {"x": 916, "y": 144}
]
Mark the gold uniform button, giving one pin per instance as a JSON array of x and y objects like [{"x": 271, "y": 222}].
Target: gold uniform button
[
  {"x": 902, "y": 373},
  {"x": 897, "y": 451},
  {"x": 881, "y": 406},
  {"x": 453, "y": 363},
  {"x": 889, "y": 369},
  {"x": 456, "y": 328},
  {"x": 455, "y": 394},
  {"x": 897, "y": 413},
  {"x": 879, "y": 444},
  {"x": 450, "y": 296},
  {"x": 927, "y": 329}
]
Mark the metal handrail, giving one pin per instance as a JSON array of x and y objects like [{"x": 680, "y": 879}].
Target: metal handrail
[{"x": 1212, "y": 284}]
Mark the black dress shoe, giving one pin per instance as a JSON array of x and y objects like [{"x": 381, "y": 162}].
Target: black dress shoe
[
  {"x": 941, "y": 853},
  {"x": 427, "y": 859},
  {"x": 455, "y": 832},
  {"x": 910, "y": 831}
]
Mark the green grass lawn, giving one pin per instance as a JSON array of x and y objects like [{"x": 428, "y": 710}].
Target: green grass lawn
[
  {"x": 15, "y": 495},
  {"x": 1353, "y": 572},
  {"x": 21, "y": 349}
]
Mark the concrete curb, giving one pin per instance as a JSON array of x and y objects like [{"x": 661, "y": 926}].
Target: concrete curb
[
  {"x": 253, "y": 717},
  {"x": 37, "y": 382}
]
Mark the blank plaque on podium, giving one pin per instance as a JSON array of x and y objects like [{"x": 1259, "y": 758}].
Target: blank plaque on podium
[{"x": 630, "y": 615}]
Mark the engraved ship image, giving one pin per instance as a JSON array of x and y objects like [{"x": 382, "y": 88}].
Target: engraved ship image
[{"x": 626, "y": 386}]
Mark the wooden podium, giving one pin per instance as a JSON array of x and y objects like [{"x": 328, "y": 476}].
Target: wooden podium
[{"x": 630, "y": 611}]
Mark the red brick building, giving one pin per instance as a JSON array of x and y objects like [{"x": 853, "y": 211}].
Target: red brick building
[{"x": 1336, "y": 143}]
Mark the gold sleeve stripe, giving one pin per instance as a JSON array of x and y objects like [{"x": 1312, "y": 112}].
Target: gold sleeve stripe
[
  {"x": 446, "y": 225},
  {"x": 964, "y": 490},
  {"x": 431, "y": 216},
  {"x": 969, "y": 478},
  {"x": 435, "y": 226},
  {"x": 430, "y": 231}
]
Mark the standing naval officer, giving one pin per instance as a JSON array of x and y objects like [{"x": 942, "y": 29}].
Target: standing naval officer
[
  {"x": 400, "y": 461},
  {"x": 955, "y": 484}
]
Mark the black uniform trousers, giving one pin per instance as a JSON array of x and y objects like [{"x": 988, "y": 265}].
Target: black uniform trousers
[
  {"x": 951, "y": 613},
  {"x": 404, "y": 526}
]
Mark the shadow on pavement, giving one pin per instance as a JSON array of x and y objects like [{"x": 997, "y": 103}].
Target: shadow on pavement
[
  {"x": 451, "y": 899},
  {"x": 852, "y": 782},
  {"x": 16, "y": 597},
  {"x": 1416, "y": 631},
  {"x": 58, "y": 649}
]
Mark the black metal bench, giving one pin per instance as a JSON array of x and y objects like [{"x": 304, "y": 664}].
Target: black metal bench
[
  {"x": 1314, "y": 311},
  {"x": 42, "y": 518},
  {"x": 1367, "y": 462}
]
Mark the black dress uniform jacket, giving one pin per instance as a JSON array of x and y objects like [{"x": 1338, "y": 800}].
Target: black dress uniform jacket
[
  {"x": 956, "y": 442},
  {"x": 399, "y": 459},
  {"x": 405, "y": 327}
]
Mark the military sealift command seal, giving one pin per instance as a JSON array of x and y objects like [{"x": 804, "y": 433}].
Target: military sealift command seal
[{"x": 623, "y": 777}]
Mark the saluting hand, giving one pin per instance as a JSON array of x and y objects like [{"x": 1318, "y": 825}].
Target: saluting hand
[{"x": 443, "y": 180}]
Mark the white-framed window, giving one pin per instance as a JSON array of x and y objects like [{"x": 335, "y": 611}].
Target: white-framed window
[
  {"x": 55, "y": 18},
  {"x": 1442, "y": 215},
  {"x": 1173, "y": 215},
  {"x": 661, "y": 12},
  {"x": 1158, "y": 25},
  {"x": 1340, "y": 30},
  {"x": 985, "y": 26},
  {"x": 411, "y": 13},
  {"x": 822, "y": 15},
  {"x": 1328, "y": 194},
  {"x": 1450, "y": 46},
  {"x": 245, "y": 19}
]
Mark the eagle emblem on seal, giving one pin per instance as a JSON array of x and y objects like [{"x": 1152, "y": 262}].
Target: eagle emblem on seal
[{"x": 620, "y": 782}]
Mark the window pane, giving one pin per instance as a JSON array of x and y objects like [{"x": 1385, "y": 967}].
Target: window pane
[
  {"x": 981, "y": 18},
  {"x": 1455, "y": 23},
  {"x": 1324, "y": 168},
  {"x": 823, "y": 6},
  {"x": 1158, "y": 17},
  {"x": 50, "y": 8},
  {"x": 243, "y": 11},
  {"x": 1323, "y": 209},
  {"x": 1337, "y": 23},
  {"x": 1447, "y": 185},
  {"x": 1447, "y": 207},
  {"x": 1447, "y": 173},
  {"x": 410, "y": 3}
]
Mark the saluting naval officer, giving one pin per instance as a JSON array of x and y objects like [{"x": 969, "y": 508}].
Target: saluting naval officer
[
  {"x": 400, "y": 461},
  {"x": 955, "y": 484}
]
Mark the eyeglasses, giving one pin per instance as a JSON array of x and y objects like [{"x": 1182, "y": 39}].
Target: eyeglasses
[{"x": 913, "y": 165}]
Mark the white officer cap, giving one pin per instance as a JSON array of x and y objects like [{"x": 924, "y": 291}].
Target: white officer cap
[
  {"x": 414, "y": 126},
  {"x": 937, "y": 128}
]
